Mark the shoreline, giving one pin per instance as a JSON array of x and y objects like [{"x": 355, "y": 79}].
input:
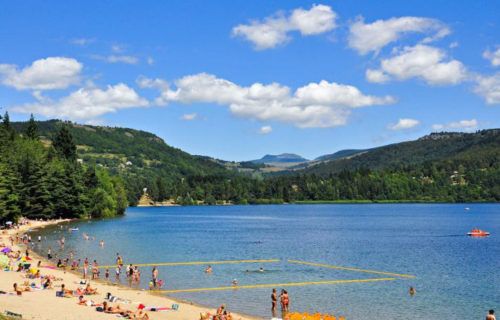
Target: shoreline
[{"x": 187, "y": 310}]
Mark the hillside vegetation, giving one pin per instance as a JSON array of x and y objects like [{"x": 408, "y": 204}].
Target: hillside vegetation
[
  {"x": 141, "y": 158},
  {"x": 45, "y": 182},
  {"x": 434, "y": 147},
  {"x": 447, "y": 167}
]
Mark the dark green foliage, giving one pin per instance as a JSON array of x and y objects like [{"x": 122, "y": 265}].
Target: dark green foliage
[
  {"x": 64, "y": 145},
  {"x": 31, "y": 129},
  {"x": 45, "y": 183},
  {"x": 448, "y": 167}
]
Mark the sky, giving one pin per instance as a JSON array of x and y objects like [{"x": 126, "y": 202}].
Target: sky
[{"x": 236, "y": 80}]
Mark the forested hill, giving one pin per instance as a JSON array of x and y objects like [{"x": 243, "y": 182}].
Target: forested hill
[
  {"x": 480, "y": 147},
  {"x": 143, "y": 159},
  {"x": 449, "y": 167}
]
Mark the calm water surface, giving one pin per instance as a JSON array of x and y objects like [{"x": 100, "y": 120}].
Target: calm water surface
[{"x": 457, "y": 277}]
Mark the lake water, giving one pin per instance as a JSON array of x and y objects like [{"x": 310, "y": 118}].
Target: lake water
[{"x": 457, "y": 277}]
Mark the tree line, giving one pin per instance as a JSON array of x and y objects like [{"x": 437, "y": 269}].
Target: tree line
[{"x": 41, "y": 181}]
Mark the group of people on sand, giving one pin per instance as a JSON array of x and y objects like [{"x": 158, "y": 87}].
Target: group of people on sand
[{"x": 221, "y": 314}]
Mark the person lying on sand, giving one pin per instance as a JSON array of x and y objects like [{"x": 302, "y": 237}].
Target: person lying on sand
[
  {"x": 140, "y": 314},
  {"x": 66, "y": 292},
  {"x": 83, "y": 302},
  {"x": 116, "y": 310},
  {"x": 89, "y": 290},
  {"x": 20, "y": 289},
  {"x": 47, "y": 283}
]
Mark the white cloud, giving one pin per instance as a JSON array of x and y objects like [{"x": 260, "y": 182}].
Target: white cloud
[
  {"x": 83, "y": 42},
  {"x": 493, "y": 56},
  {"x": 489, "y": 88},
  {"x": 274, "y": 30},
  {"x": 117, "y": 48},
  {"x": 150, "y": 61},
  {"x": 86, "y": 103},
  {"x": 265, "y": 130},
  {"x": 421, "y": 61},
  {"x": 366, "y": 37},
  {"x": 43, "y": 74},
  {"x": 462, "y": 124},
  {"x": 376, "y": 76},
  {"x": 453, "y": 45},
  {"x": 117, "y": 59},
  {"x": 404, "y": 124},
  {"x": 322, "y": 104},
  {"x": 189, "y": 116}
]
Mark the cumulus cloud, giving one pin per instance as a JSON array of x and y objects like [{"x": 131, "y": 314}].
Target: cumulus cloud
[
  {"x": 493, "y": 56},
  {"x": 404, "y": 124},
  {"x": 458, "y": 125},
  {"x": 189, "y": 116},
  {"x": 421, "y": 61},
  {"x": 117, "y": 59},
  {"x": 367, "y": 37},
  {"x": 274, "y": 30},
  {"x": 86, "y": 103},
  {"x": 265, "y": 130},
  {"x": 488, "y": 87},
  {"x": 322, "y": 104},
  {"x": 43, "y": 74}
]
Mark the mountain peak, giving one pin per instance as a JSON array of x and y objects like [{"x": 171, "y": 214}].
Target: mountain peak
[{"x": 281, "y": 158}]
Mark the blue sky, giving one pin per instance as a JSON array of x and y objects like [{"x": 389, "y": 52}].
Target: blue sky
[{"x": 239, "y": 79}]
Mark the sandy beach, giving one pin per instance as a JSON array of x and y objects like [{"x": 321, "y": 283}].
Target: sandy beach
[{"x": 44, "y": 304}]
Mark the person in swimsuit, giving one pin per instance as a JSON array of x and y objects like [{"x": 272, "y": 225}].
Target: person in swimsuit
[
  {"x": 155, "y": 276},
  {"x": 274, "y": 302},
  {"x": 285, "y": 301}
]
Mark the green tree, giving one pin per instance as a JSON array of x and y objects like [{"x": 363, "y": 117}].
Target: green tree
[
  {"x": 64, "y": 145},
  {"x": 31, "y": 131},
  {"x": 9, "y": 196}
]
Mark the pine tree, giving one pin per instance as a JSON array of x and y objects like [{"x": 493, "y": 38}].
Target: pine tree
[
  {"x": 35, "y": 195},
  {"x": 9, "y": 197},
  {"x": 32, "y": 129},
  {"x": 64, "y": 144},
  {"x": 11, "y": 133}
]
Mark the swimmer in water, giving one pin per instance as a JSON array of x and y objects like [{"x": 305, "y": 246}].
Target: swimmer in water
[
  {"x": 101, "y": 243},
  {"x": 412, "y": 291},
  {"x": 261, "y": 269},
  {"x": 234, "y": 282},
  {"x": 208, "y": 269}
]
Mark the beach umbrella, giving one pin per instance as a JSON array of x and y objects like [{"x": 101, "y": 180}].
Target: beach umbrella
[{"x": 6, "y": 250}]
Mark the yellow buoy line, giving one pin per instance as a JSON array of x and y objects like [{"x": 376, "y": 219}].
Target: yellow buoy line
[
  {"x": 329, "y": 266},
  {"x": 273, "y": 285},
  {"x": 195, "y": 263}
]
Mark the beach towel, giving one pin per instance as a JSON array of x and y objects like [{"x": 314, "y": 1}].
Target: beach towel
[{"x": 13, "y": 314}]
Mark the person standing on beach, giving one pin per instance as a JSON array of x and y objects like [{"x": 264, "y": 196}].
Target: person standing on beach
[
  {"x": 285, "y": 300},
  {"x": 117, "y": 273},
  {"x": 85, "y": 267},
  {"x": 274, "y": 302},
  {"x": 155, "y": 276},
  {"x": 119, "y": 260},
  {"x": 49, "y": 254}
]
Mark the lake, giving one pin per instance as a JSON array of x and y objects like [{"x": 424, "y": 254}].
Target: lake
[{"x": 457, "y": 277}]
